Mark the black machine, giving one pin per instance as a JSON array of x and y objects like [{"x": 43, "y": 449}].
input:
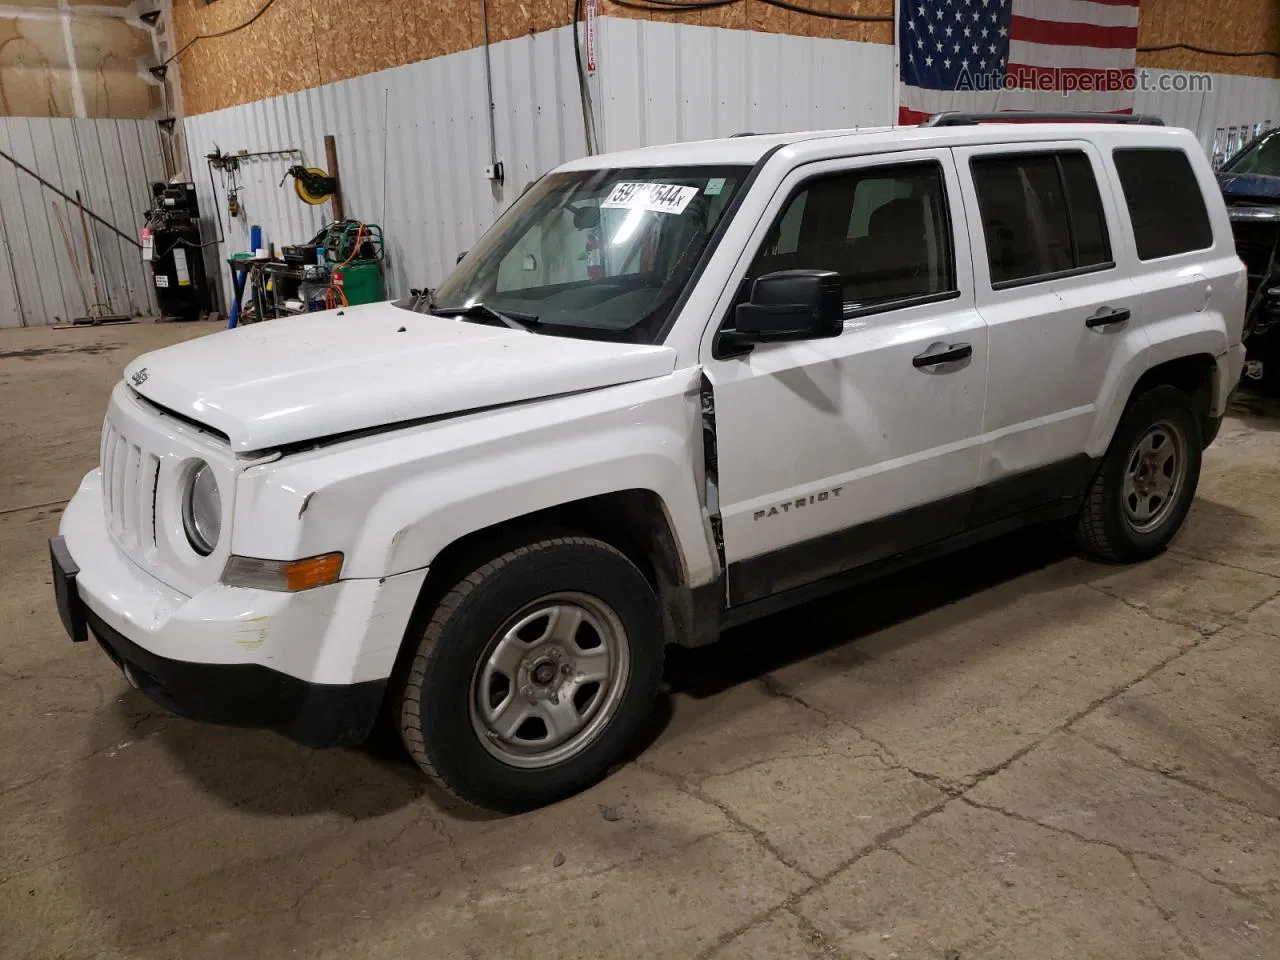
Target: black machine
[{"x": 171, "y": 243}]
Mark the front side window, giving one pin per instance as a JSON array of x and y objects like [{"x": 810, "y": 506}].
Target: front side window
[
  {"x": 1164, "y": 200},
  {"x": 597, "y": 253},
  {"x": 885, "y": 230},
  {"x": 1041, "y": 215}
]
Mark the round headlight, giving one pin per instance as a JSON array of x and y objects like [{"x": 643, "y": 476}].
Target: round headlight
[{"x": 202, "y": 510}]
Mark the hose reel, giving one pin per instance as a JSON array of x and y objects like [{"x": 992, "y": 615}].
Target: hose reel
[{"x": 311, "y": 184}]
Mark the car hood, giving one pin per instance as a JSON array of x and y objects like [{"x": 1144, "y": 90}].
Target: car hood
[
  {"x": 323, "y": 374},
  {"x": 1249, "y": 186}
]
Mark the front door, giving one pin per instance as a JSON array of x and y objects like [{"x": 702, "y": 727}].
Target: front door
[{"x": 836, "y": 452}]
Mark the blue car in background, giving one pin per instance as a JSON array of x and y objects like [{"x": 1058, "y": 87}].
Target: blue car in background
[{"x": 1250, "y": 183}]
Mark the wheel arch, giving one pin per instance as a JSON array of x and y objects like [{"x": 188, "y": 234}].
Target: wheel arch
[
  {"x": 634, "y": 521},
  {"x": 1196, "y": 375}
]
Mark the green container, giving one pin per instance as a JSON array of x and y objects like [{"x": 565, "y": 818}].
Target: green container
[{"x": 362, "y": 281}]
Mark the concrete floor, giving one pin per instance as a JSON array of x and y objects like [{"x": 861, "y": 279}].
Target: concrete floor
[{"x": 1009, "y": 754}]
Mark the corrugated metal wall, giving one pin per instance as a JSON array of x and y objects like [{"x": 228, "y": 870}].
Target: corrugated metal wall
[
  {"x": 413, "y": 140},
  {"x": 413, "y": 145},
  {"x": 1233, "y": 101},
  {"x": 662, "y": 82},
  {"x": 112, "y": 163}
]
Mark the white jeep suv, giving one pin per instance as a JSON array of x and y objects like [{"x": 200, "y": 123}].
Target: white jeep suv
[{"x": 669, "y": 391}]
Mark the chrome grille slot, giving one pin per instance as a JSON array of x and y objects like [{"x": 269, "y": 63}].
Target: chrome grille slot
[
  {"x": 150, "y": 482},
  {"x": 129, "y": 478},
  {"x": 131, "y": 507},
  {"x": 117, "y": 484},
  {"x": 109, "y": 440}
]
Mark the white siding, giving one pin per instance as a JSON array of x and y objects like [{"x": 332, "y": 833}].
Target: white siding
[
  {"x": 112, "y": 163},
  {"x": 1234, "y": 101},
  {"x": 420, "y": 172},
  {"x": 663, "y": 82}
]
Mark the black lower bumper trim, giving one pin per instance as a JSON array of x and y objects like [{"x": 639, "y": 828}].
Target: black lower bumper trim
[{"x": 247, "y": 695}]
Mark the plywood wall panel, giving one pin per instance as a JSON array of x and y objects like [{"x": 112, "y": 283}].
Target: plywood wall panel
[
  {"x": 731, "y": 17},
  {"x": 277, "y": 54},
  {"x": 1234, "y": 25},
  {"x": 301, "y": 43}
]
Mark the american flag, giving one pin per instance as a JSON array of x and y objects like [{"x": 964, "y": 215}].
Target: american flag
[{"x": 988, "y": 55}]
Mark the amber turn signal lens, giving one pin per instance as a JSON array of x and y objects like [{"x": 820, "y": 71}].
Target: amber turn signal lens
[
  {"x": 284, "y": 575},
  {"x": 313, "y": 572}
]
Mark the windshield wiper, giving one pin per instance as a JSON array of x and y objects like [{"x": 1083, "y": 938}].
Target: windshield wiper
[{"x": 516, "y": 321}]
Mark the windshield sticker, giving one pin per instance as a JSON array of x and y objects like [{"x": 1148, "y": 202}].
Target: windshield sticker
[
  {"x": 714, "y": 186},
  {"x": 655, "y": 197}
]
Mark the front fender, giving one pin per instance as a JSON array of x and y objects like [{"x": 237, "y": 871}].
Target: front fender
[{"x": 392, "y": 502}]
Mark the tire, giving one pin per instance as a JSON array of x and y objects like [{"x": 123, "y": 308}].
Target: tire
[
  {"x": 1140, "y": 496},
  {"x": 516, "y": 638}
]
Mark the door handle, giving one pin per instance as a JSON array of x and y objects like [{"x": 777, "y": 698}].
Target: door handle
[
  {"x": 1105, "y": 316},
  {"x": 957, "y": 351}
]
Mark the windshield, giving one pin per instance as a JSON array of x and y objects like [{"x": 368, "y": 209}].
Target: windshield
[
  {"x": 596, "y": 253},
  {"x": 1263, "y": 157}
]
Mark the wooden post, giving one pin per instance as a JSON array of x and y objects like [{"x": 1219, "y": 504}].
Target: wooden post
[
  {"x": 96, "y": 310},
  {"x": 331, "y": 157}
]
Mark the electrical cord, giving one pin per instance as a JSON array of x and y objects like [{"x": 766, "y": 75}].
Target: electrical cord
[
  {"x": 1206, "y": 50},
  {"x": 584, "y": 91},
  {"x": 682, "y": 6},
  {"x": 829, "y": 14},
  {"x": 674, "y": 6},
  {"x": 218, "y": 33}
]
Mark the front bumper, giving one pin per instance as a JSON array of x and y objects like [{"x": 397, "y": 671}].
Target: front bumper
[{"x": 312, "y": 665}]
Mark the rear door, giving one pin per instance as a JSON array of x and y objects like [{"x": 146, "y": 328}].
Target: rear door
[{"x": 1062, "y": 317}]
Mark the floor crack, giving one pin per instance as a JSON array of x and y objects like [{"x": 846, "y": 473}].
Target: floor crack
[
  {"x": 693, "y": 790},
  {"x": 1243, "y": 892},
  {"x": 1222, "y": 563},
  {"x": 1170, "y": 775},
  {"x": 774, "y": 688},
  {"x": 1145, "y": 609},
  {"x": 1167, "y": 915}
]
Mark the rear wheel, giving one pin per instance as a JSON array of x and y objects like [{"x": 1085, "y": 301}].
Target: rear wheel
[
  {"x": 535, "y": 673},
  {"x": 1147, "y": 480}
]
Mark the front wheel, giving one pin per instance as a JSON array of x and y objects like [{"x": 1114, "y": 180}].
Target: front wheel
[
  {"x": 536, "y": 672},
  {"x": 1147, "y": 480}
]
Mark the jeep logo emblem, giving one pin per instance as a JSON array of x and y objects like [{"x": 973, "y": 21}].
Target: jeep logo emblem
[{"x": 139, "y": 377}]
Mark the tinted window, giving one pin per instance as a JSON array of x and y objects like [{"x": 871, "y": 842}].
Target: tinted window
[
  {"x": 1165, "y": 203},
  {"x": 1088, "y": 222},
  {"x": 1041, "y": 215},
  {"x": 885, "y": 231}
]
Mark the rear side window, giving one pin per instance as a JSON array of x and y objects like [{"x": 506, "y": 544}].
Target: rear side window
[
  {"x": 1165, "y": 203},
  {"x": 1041, "y": 215}
]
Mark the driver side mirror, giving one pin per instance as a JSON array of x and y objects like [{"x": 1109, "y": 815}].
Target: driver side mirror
[{"x": 789, "y": 305}]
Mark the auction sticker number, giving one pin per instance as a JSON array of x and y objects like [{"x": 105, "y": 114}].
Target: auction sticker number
[{"x": 656, "y": 197}]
